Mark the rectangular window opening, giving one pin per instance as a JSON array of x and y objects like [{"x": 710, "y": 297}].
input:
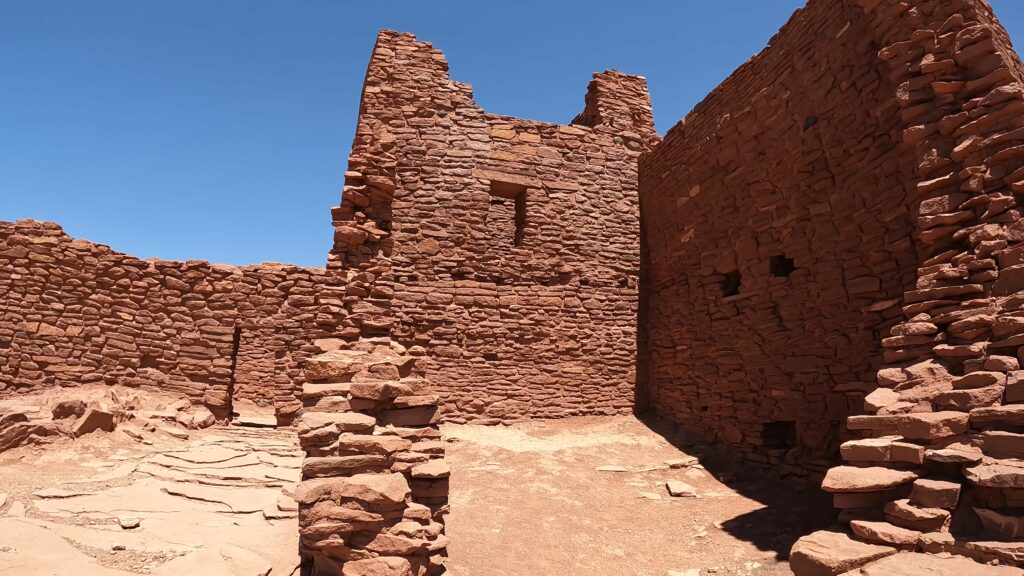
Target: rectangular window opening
[
  {"x": 781, "y": 267},
  {"x": 780, "y": 435},
  {"x": 506, "y": 213},
  {"x": 731, "y": 283}
]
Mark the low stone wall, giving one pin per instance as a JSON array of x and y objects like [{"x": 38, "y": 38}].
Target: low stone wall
[{"x": 74, "y": 312}]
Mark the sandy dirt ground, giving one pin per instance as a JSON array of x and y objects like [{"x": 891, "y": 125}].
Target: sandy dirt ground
[
  {"x": 581, "y": 496},
  {"x": 213, "y": 503},
  {"x": 530, "y": 499}
]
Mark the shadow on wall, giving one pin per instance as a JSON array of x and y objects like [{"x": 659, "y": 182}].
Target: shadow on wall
[{"x": 792, "y": 507}]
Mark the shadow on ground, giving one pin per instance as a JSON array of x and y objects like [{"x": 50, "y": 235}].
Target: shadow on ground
[{"x": 792, "y": 507}]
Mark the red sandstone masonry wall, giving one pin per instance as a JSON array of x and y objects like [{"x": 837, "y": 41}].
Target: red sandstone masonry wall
[
  {"x": 778, "y": 233},
  {"x": 538, "y": 322},
  {"x": 948, "y": 410},
  {"x": 74, "y": 312}
]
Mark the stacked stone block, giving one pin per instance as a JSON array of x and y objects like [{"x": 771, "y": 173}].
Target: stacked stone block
[
  {"x": 935, "y": 463},
  {"x": 375, "y": 483}
]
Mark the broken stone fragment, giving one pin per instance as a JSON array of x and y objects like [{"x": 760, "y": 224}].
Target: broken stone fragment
[
  {"x": 868, "y": 449},
  {"x": 93, "y": 419},
  {"x": 995, "y": 416},
  {"x": 325, "y": 466},
  {"x": 880, "y": 398},
  {"x": 128, "y": 522},
  {"x": 917, "y": 564},
  {"x": 680, "y": 489},
  {"x": 367, "y": 444},
  {"x": 68, "y": 409},
  {"x": 1004, "y": 474},
  {"x": 682, "y": 462}
]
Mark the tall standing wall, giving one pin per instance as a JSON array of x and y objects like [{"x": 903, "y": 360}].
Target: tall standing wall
[
  {"x": 778, "y": 223},
  {"x": 507, "y": 248}
]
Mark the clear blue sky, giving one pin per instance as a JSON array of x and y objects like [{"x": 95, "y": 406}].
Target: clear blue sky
[{"x": 219, "y": 129}]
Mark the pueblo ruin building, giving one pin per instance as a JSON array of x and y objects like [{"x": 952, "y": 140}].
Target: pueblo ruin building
[{"x": 822, "y": 264}]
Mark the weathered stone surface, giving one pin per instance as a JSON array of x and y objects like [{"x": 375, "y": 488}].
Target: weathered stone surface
[
  {"x": 825, "y": 553},
  {"x": 383, "y": 566},
  {"x": 935, "y": 493},
  {"x": 931, "y": 425},
  {"x": 382, "y": 490},
  {"x": 905, "y": 515},
  {"x": 997, "y": 475},
  {"x": 873, "y": 479},
  {"x": 68, "y": 409},
  {"x": 437, "y": 468},
  {"x": 93, "y": 419},
  {"x": 995, "y": 416},
  {"x": 915, "y": 564},
  {"x": 885, "y": 533}
]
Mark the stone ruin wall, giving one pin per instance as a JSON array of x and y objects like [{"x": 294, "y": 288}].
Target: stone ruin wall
[
  {"x": 883, "y": 137},
  {"x": 936, "y": 463},
  {"x": 75, "y": 312},
  {"x": 507, "y": 248},
  {"x": 779, "y": 221}
]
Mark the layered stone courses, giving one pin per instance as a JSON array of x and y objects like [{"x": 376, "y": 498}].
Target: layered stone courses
[
  {"x": 536, "y": 322},
  {"x": 825, "y": 257},
  {"x": 790, "y": 180},
  {"x": 375, "y": 483},
  {"x": 75, "y": 312}
]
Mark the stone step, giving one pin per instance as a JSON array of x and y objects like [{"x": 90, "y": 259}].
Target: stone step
[
  {"x": 826, "y": 553},
  {"x": 885, "y": 533},
  {"x": 870, "y": 479}
]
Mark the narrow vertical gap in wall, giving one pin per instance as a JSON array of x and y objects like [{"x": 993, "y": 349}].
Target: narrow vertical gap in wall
[
  {"x": 731, "y": 282},
  {"x": 520, "y": 218},
  {"x": 235, "y": 342}
]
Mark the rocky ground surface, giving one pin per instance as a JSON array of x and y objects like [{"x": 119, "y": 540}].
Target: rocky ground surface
[
  {"x": 579, "y": 496},
  {"x": 151, "y": 499},
  {"x": 585, "y": 496}
]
